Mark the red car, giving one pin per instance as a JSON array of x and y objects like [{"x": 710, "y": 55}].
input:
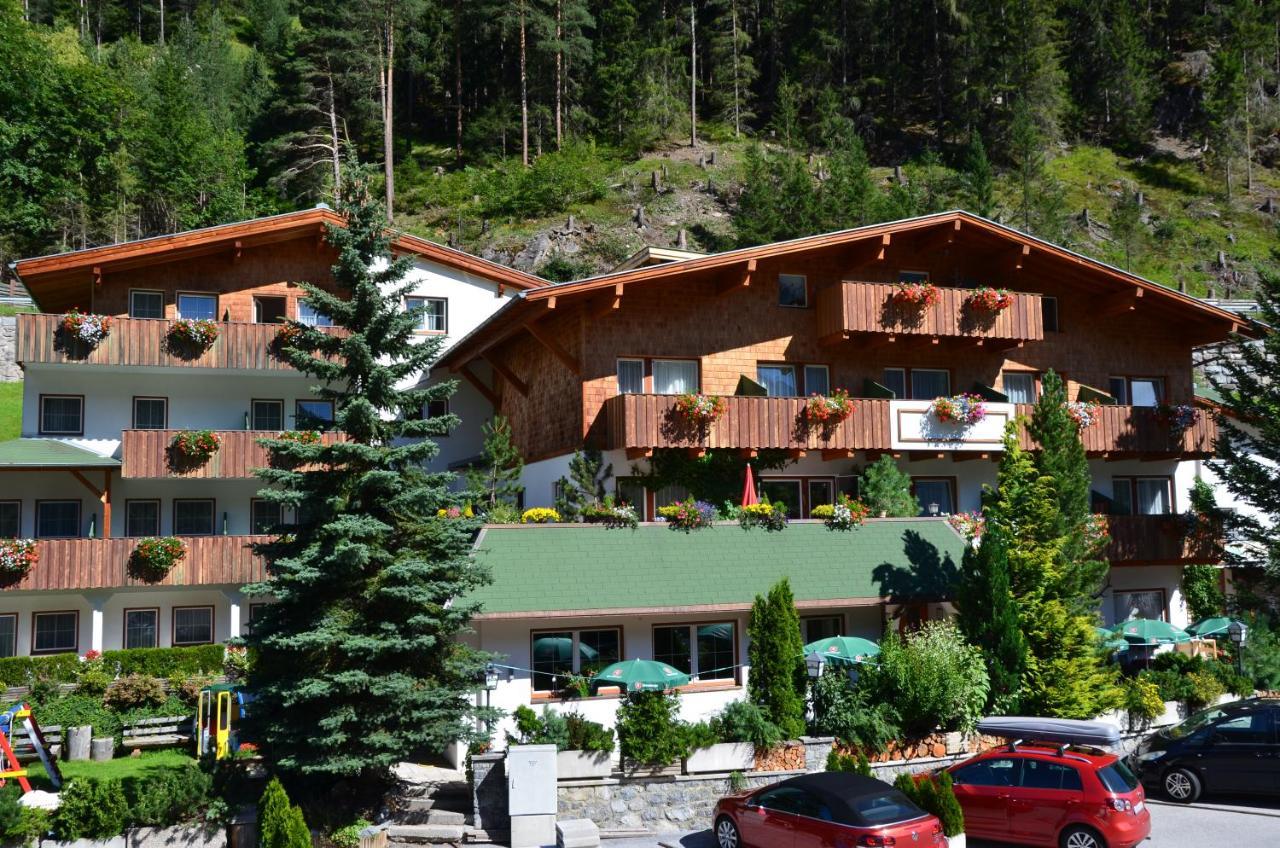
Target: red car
[
  {"x": 1038, "y": 793},
  {"x": 829, "y": 809}
]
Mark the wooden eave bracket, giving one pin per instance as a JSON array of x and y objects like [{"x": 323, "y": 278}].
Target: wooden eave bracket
[
  {"x": 506, "y": 373},
  {"x": 866, "y": 251},
  {"x": 236, "y": 250},
  {"x": 84, "y": 481},
  {"x": 558, "y": 352},
  {"x": 941, "y": 238},
  {"x": 738, "y": 278},
  {"x": 1118, "y": 304},
  {"x": 639, "y": 453},
  {"x": 610, "y": 303},
  {"x": 489, "y": 394}
]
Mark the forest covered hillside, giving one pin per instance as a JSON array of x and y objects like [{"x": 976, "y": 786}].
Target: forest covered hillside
[{"x": 561, "y": 135}]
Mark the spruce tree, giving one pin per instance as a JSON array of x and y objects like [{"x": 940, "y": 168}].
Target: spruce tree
[
  {"x": 777, "y": 678},
  {"x": 884, "y": 487},
  {"x": 358, "y": 665},
  {"x": 978, "y": 179},
  {"x": 989, "y": 617},
  {"x": 585, "y": 483},
  {"x": 497, "y": 478}
]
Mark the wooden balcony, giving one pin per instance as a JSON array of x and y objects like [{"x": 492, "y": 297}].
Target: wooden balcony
[
  {"x": 643, "y": 423},
  {"x": 145, "y": 453},
  {"x": 1139, "y": 431},
  {"x": 1161, "y": 539},
  {"x": 81, "y": 564},
  {"x": 852, "y": 308},
  {"x": 141, "y": 342}
]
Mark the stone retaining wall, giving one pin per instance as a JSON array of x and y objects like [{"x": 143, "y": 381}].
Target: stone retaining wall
[
  {"x": 9, "y": 370},
  {"x": 182, "y": 836}
]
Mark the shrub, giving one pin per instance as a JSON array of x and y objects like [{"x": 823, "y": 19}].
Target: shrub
[
  {"x": 586, "y": 735},
  {"x": 699, "y": 735},
  {"x": 540, "y": 515},
  {"x": 169, "y": 797},
  {"x": 743, "y": 721},
  {"x": 886, "y": 488},
  {"x": 769, "y": 516},
  {"x": 167, "y": 662},
  {"x": 280, "y": 824},
  {"x": 1261, "y": 656},
  {"x": 92, "y": 677},
  {"x": 850, "y": 714},
  {"x": 776, "y": 681},
  {"x": 90, "y": 809},
  {"x": 20, "y": 825},
  {"x": 837, "y": 761},
  {"x": 77, "y": 710},
  {"x": 933, "y": 678},
  {"x": 1142, "y": 702},
  {"x": 532, "y": 729},
  {"x": 135, "y": 690},
  {"x": 907, "y": 785},
  {"x": 949, "y": 811},
  {"x": 349, "y": 836},
  {"x": 649, "y": 731},
  {"x": 1205, "y": 689}
]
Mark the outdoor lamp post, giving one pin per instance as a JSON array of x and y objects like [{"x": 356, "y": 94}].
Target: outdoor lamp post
[
  {"x": 490, "y": 677},
  {"x": 1238, "y": 633},
  {"x": 813, "y": 664},
  {"x": 933, "y": 510}
]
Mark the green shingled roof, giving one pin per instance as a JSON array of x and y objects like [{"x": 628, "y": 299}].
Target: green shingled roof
[
  {"x": 50, "y": 453},
  {"x": 588, "y": 567}
]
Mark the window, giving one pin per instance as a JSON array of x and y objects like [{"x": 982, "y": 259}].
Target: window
[
  {"x": 198, "y": 306},
  {"x": 1253, "y": 728},
  {"x": 558, "y": 654},
  {"x": 820, "y": 492},
  {"x": 630, "y": 376},
  {"x": 675, "y": 376},
  {"x": 55, "y": 632},
  {"x": 313, "y": 414},
  {"x": 703, "y": 651},
  {"x": 9, "y": 635},
  {"x": 787, "y": 491},
  {"x": 895, "y": 380},
  {"x": 10, "y": 519},
  {"x": 267, "y": 414},
  {"x": 1117, "y": 777},
  {"x": 913, "y": 276},
  {"x": 270, "y": 310},
  {"x": 1019, "y": 386},
  {"x": 1142, "y": 495},
  {"x": 1002, "y": 771},
  {"x": 192, "y": 517},
  {"x": 1119, "y": 388},
  {"x": 265, "y": 516},
  {"x": 668, "y": 495},
  {"x": 936, "y": 496},
  {"x": 818, "y": 627},
  {"x": 778, "y": 380},
  {"x": 255, "y": 612},
  {"x": 434, "y": 315},
  {"x": 1140, "y": 603},
  {"x": 437, "y": 408},
  {"x": 629, "y": 490},
  {"x": 146, "y": 304},
  {"x": 192, "y": 625},
  {"x": 793, "y": 290},
  {"x": 150, "y": 413},
  {"x": 57, "y": 519},
  {"x": 62, "y": 414},
  {"x": 312, "y": 317},
  {"x": 817, "y": 379},
  {"x": 142, "y": 628},
  {"x": 1038, "y": 774},
  {"x": 929, "y": 383},
  {"x": 1137, "y": 391},
  {"x": 142, "y": 518},
  {"x": 1049, "y": 314}
]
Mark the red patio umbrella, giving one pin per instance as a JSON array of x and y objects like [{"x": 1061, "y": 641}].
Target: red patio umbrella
[{"x": 749, "y": 489}]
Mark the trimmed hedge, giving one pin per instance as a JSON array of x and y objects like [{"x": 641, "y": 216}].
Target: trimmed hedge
[{"x": 156, "y": 662}]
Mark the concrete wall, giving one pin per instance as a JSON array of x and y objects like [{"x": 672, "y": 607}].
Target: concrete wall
[{"x": 9, "y": 370}]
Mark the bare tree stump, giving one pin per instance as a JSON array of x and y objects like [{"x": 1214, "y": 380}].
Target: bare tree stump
[
  {"x": 682, "y": 240},
  {"x": 103, "y": 748},
  {"x": 656, "y": 181},
  {"x": 640, "y": 219},
  {"x": 711, "y": 158},
  {"x": 78, "y": 739}
]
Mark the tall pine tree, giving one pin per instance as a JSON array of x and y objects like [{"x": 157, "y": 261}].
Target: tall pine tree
[
  {"x": 358, "y": 663},
  {"x": 774, "y": 655},
  {"x": 989, "y": 617}
]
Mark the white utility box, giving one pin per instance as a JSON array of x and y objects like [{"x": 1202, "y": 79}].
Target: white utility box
[{"x": 531, "y": 795}]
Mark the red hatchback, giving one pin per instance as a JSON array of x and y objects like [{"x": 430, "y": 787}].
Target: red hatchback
[
  {"x": 827, "y": 809},
  {"x": 1052, "y": 795}
]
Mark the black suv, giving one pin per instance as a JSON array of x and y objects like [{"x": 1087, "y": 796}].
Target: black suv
[{"x": 1230, "y": 748}]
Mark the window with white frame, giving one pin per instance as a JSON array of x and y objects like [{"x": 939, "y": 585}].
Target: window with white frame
[
  {"x": 778, "y": 380},
  {"x": 57, "y": 519},
  {"x": 1142, "y": 495},
  {"x": 146, "y": 304},
  {"x": 675, "y": 376},
  {"x": 1140, "y": 603},
  {"x": 1137, "y": 391},
  {"x": 815, "y": 627},
  {"x": 312, "y": 317},
  {"x": 9, "y": 634},
  {"x": 1019, "y": 386},
  {"x": 630, "y": 376},
  {"x": 142, "y": 628},
  {"x": 559, "y": 654},
  {"x": 150, "y": 413},
  {"x": 62, "y": 415},
  {"x": 192, "y": 626},
  {"x": 200, "y": 307},
  {"x": 702, "y": 651},
  {"x": 55, "y": 632},
  {"x": 433, "y": 313},
  {"x": 936, "y": 495}
]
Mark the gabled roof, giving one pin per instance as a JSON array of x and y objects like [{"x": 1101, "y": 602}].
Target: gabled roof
[
  {"x": 581, "y": 569},
  {"x": 41, "y": 270},
  {"x": 954, "y": 225},
  {"x": 652, "y": 255},
  {"x": 50, "y": 453}
]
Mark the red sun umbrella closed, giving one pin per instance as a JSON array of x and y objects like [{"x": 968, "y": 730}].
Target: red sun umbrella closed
[{"x": 749, "y": 489}]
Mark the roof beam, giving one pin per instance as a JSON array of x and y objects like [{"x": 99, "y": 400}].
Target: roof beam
[
  {"x": 507, "y": 374},
  {"x": 940, "y": 238},
  {"x": 489, "y": 394},
  {"x": 1018, "y": 259},
  {"x": 568, "y": 359},
  {"x": 870, "y": 250},
  {"x": 739, "y": 278},
  {"x": 1121, "y": 303},
  {"x": 609, "y": 303}
]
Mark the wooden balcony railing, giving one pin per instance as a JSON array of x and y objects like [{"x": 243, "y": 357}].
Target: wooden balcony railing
[
  {"x": 647, "y": 422},
  {"x": 145, "y": 453},
  {"x": 1155, "y": 539},
  {"x": 81, "y": 564},
  {"x": 141, "y": 342},
  {"x": 1140, "y": 431},
  {"x": 853, "y": 307}
]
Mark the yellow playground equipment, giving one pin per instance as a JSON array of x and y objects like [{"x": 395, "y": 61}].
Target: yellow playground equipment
[{"x": 219, "y": 714}]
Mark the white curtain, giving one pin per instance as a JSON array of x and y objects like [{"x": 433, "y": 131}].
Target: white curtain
[
  {"x": 778, "y": 380},
  {"x": 675, "y": 376}
]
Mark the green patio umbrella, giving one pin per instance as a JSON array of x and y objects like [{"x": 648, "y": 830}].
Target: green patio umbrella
[
  {"x": 843, "y": 649},
  {"x": 1110, "y": 640},
  {"x": 1210, "y": 627},
  {"x": 641, "y": 676},
  {"x": 1150, "y": 631}
]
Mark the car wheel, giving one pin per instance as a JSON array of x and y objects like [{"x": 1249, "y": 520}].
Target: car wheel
[
  {"x": 1081, "y": 837},
  {"x": 1181, "y": 785},
  {"x": 727, "y": 833}
]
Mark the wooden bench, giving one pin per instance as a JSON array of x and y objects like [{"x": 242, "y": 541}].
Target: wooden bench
[
  {"x": 25, "y": 752},
  {"x": 159, "y": 732}
]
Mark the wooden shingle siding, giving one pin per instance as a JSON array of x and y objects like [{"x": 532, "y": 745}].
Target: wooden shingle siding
[
  {"x": 140, "y": 342},
  {"x": 145, "y": 453},
  {"x": 1156, "y": 539},
  {"x": 1138, "y": 430},
  {"x": 857, "y": 307},
  {"x": 104, "y": 564}
]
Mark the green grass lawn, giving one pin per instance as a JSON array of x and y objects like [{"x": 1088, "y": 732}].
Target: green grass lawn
[
  {"x": 11, "y": 309},
  {"x": 10, "y": 410},
  {"x": 124, "y": 769}
]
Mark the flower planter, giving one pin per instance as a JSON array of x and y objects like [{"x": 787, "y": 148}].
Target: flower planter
[
  {"x": 636, "y": 770},
  {"x": 583, "y": 765},
  {"x": 957, "y": 841},
  {"x": 724, "y": 756}
]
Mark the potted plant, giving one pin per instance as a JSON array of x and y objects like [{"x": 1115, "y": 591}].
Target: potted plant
[
  {"x": 964, "y": 409},
  {"x": 700, "y": 410},
  {"x": 688, "y": 515},
  {"x": 17, "y": 556},
  {"x": 971, "y": 525},
  {"x": 191, "y": 336},
  {"x": 1083, "y": 412},
  {"x": 589, "y": 751},
  {"x": 829, "y": 410},
  {"x": 844, "y": 514},
  {"x": 915, "y": 295},
  {"x": 192, "y": 448},
  {"x": 611, "y": 515},
  {"x": 987, "y": 299},
  {"x": 155, "y": 556},
  {"x": 1177, "y": 418},
  {"x": 771, "y": 517},
  {"x": 540, "y": 515},
  {"x": 302, "y": 437},
  {"x": 731, "y": 740},
  {"x": 84, "y": 328}
]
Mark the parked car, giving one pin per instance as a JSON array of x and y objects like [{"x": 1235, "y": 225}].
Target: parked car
[
  {"x": 824, "y": 809},
  {"x": 1052, "y": 791},
  {"x": 1231, "y": 748}
]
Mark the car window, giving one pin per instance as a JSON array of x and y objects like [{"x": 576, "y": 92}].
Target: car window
[
  {"x": 1038, "y": 774},
  {"x": 1118, "y": 777},
  {"x": 882, "y": 808},
  {"x": 1248, "y": 729},
  {"x": 783, "y": 799},
  {"x": 1194, "y": 723},
  {"x": 1000, "y": 771}
]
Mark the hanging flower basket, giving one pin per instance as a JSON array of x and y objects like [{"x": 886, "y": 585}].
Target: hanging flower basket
[
  {"x": 85, "y": 328},
  {"x": 971, "y": 525},
  {"x": 764, "y": 515},
  {"x": 194, "y": 335},
  {"x": 155, "y": 556},
  {"x": 844, "y": 515},
  {"x": 302, "y": 437},
  {"x": 701, "y": 410},
  {"x": 987, "y": 299},
  {"x": 17, "y": 556},
  {"x": 1177, "y": 418},
  {"x": 688, "y": 515},
  {"x": 963, "y": 409},
  {"x": 916, "y": 295},
  {"x": 829, "y": 409},
  {"x": 1083, "y": 412},
  {"x": 288, "y": 334},
  {"x": 191, "y": 448}
]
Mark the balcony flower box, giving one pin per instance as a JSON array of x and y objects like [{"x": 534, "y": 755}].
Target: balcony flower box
[
  {"x": 963, "y": 409},
  {"x": 916, "y": 295},
  {"x": 721, "y": 757},
  {"x": 844, "y": 514},
  {"x": 192, "y": 448},
  {"x": 17, "y": 556},
  {"x": 828, "y": 410},
  {"x": 191, "y": 336},
  {"x": 155, "y": 556},
  {"x": 583, "y": 765},
  {"x": 701, "y": 410},
  {"x": 1083, "y": 412},
  {"x": 84, "y": 328},
  {"x": 1177, "y": 418},
  {"x": 688, "y": 515},
  {"x": 989, "y": 300},
  {"x": 762, "y": 515}
]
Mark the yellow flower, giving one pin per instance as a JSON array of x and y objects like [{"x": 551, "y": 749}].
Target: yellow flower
[{"x": 540, "y": 515}]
